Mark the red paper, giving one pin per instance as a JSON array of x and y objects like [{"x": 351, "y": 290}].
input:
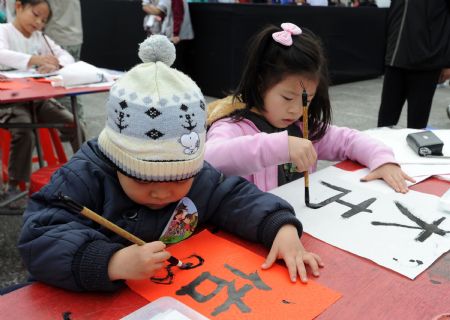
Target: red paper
[
  {"x": 231, "y": 271},
  {"x": 12, "y": 85}
]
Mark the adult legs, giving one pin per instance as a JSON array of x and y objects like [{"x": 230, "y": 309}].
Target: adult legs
[
  {"x": 393, "y": 97},
  {"x": 421, "y": 86}
]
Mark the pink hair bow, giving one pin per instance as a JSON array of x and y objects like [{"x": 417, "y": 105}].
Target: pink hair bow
[{"x": 285, "y": 37}]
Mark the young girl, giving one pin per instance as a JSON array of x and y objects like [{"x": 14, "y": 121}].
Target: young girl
[
  {"x": 24, "y": 46},
  {"x": 259, "y": 128}
]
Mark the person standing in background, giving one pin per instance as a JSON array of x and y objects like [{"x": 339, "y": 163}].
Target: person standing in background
[
  {"x": 417, "y": 53},
  {"x": 2, "y": 11},
  {"x": 65, "y": 27},
  {"x": 175, "y": 25}
]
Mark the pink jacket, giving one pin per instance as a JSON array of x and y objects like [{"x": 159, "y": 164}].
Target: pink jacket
[{"x": 239, "y": 148}]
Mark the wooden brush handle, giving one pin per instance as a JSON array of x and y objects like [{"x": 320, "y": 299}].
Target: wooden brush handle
[
  {"x": 305, "y": 122},
  {"x": 111, "y": 226}
]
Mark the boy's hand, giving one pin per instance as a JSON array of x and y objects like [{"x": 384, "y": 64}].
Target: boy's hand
[
  {"x": 302, "y": 153},
  {"x": 137, "y": 262},
  {"x": 392, "y": 174},
  {"x": 287, "y": 246}
]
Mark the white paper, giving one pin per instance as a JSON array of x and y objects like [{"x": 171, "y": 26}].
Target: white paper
[
  {"x": 82, "y": 73},
  {"x": 32, "y": 73},
  {"x": 445, "y": 177},
  {"x": 417, "y": 170},
  {"x": 378, "y": 185},
  {"x": 170, "y": 315},
  {"x": 396, "y": 139},
  {"x": 395, "y": 247}
]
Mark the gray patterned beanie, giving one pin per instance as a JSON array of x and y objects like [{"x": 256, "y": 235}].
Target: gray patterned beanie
[{"x": 155, "y": 127}]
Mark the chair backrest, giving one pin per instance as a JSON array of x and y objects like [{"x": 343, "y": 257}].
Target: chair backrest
[
  {"x": 52, "y": 149},
  {"x": 5, "y": 139}
]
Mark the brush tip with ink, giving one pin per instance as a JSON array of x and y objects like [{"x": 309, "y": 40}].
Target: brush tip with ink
[{"x": 174, "y": 261}]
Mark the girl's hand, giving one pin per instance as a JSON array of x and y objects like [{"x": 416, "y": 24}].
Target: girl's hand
[
  {"x": 44, "y": 60},
  {"x": 137, "y": 262},
  {"x": 302, "y": 153},
  {"x": 47, "y": 68},
  {"x": 287, "y": 246},
  {"x": 392, "y": 174}
]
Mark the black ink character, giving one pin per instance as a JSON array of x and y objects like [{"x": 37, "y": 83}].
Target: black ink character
[
  {"x": 234, "y": 295},
  {"x": 428, "y": 229},
  {"x": 185, "y": 266},
  {"x": 354, "y": 208}
]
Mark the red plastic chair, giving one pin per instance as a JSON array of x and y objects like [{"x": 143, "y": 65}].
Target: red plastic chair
[
  {"x": 54, "y": 155},
  {"x": 52, "y": 151},
  {"x": 5, "y": 140}
]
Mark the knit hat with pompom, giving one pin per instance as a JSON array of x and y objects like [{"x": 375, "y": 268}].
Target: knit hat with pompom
[{"x": 155, "y": 127}]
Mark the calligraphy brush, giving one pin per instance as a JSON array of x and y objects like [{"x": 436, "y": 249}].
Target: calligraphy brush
[
  {"x": 48, "y": 44},
  {"x": 305, "y": 136},
  {"x": 70, "y": 204}
]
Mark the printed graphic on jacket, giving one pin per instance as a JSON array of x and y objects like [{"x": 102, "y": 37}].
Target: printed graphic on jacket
[{"x": 182, "y": 223}]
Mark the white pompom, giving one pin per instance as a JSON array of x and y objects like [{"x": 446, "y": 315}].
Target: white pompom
[{"x": 157, "y": 48}]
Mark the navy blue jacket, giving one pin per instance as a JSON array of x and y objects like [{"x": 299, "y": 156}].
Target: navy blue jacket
[{"x": 67, "y": 250}]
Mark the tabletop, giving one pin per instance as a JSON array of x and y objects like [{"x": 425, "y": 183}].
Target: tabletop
[
  {"x": 31, "y": 89},
  {"x": 34, "y": 89},
  {"x": 368, "y": 290}
]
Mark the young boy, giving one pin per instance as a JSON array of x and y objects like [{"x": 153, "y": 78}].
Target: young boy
[{"x": 145, "y": 165}]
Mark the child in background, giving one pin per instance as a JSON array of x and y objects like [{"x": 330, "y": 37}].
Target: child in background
[
  {"x": 153, "y": 19},
  {"x": 174, "y": 21},
  {"x": 22, "y": 46},
  {"x": 136, "y": 173},
  {"x": 259, "y": 128},
  {"x": 175, "y": 17}
]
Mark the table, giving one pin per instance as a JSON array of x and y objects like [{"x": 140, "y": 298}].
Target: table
[
  {"x": 37, "y": 90},
  {"x": 41, "y": 91},
  {"x": 368, "y": 290}
]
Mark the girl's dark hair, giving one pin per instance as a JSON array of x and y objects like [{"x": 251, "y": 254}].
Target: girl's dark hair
[
  {"x": 35, "y": 3},
  {"x": 269, "y": 62}
]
